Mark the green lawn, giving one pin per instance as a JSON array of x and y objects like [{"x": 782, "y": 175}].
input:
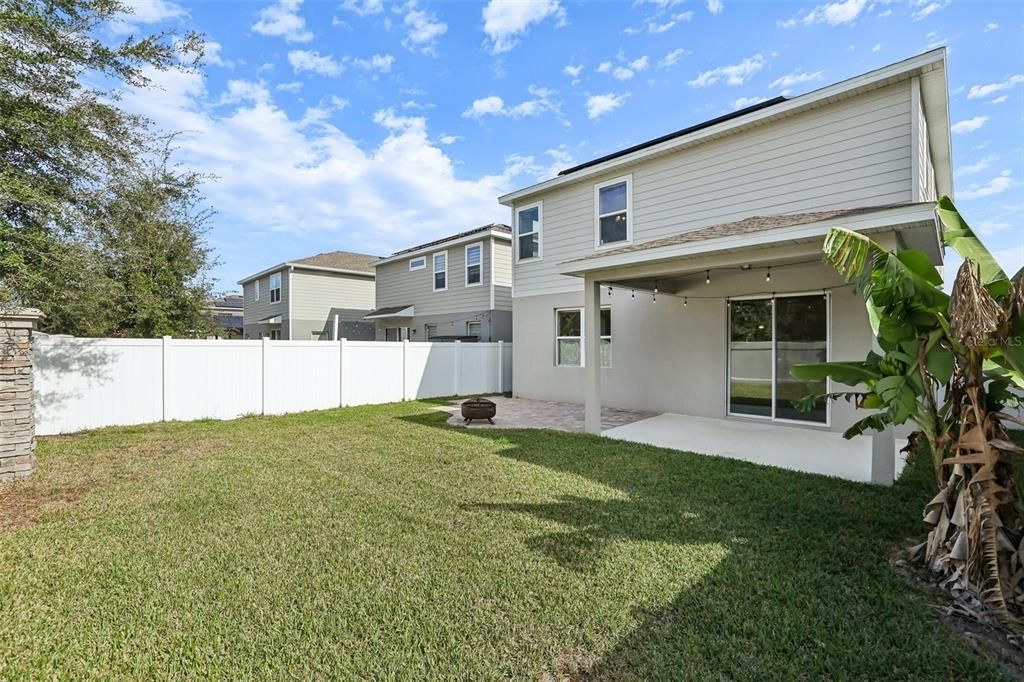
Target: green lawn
[{"x": 377, "y": 542}]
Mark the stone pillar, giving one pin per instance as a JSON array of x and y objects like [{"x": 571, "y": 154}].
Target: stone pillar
[{"x": 17, "y": 422}]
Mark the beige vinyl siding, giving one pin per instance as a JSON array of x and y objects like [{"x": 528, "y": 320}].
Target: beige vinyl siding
[
  {"x": 854, "y": 152},
  {"x": 925, "y": 167},
  {"x": 317, "y": 293},
  {"x": 253, "y": 311},
  {"x": 397, "y": 285},
  {"x": 502, "y": 275}
]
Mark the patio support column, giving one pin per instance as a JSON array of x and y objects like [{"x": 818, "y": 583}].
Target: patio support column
[
  {"x": 592, "y": 354},
  {"x": 17, "y": 399}
]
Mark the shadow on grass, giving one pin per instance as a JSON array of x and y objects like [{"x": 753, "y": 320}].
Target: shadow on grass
[{"x": 805, "y": 588}]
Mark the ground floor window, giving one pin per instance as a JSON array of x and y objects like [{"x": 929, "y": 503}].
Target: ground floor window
[
  {"x": 767, "y": 336},
  {"x": 275, "y": 334},
  {"x": 473, "y": 328},
  {"x": 396, "y": 333},
  {"x": 569, "y": 337},
  {"x": 430, "y": 330}
]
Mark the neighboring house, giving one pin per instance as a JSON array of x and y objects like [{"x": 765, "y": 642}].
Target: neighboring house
[
  {"x": 226, "y": 313},
  {"x": 459, "y": 287},
  {"x": 321, "y": 297},
  {"x": 685, "y": 274}
]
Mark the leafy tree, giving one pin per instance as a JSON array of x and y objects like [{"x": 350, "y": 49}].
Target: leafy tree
[
  {"x": 950, "y": 364},
  {"x": 69, "y": 156}
]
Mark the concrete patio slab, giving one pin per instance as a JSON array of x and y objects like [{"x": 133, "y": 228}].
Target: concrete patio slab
[
  {"x": 517, "y": 413},
  {"x": 790, "y": 447}
]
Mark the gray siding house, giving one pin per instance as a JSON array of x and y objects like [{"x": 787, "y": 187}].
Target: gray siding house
[
  {"x": 321, "y": 297},
  {"x": 459, "y": 287},
  {"x": 684, "y": 275}
]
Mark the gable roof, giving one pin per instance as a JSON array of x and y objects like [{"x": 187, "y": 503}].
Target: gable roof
[
  {"x": 342, "y": 262},
  {"x": 929, "y": 66},
  {"x": 493, "y": 229}
]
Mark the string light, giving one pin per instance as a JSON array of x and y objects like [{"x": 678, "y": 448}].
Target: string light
[
  {"x": 609, "y": 290},
  {"x": 654, "y": 296},
  {"x": 768, "y": 275},
  {"x": 632, "y": 293},
  {"x": 707, "y": 277},
  {"x": 684, "y": 301}
]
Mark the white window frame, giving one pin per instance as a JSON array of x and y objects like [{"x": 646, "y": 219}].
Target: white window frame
[
  {"x": 274, "y": 335},
  {"x": 433, "y": 278},
  {"x": 271, "y": 288},
  {"x": 478, "y": 323},
  {"x": 628, "y": 179},
  {"x": 539, "y": 231},
  {"x": 256, "y": 289},
  {"x": 426, "y": 330},
  {"x": 480, "y": 265},
  {"x": 828, "y": 358},
  {"x": 582, "y": 338},
  {"x": 422, "y": 260}
]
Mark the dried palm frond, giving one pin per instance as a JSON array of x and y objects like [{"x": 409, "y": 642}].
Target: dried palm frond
[{"x": 973, "y": 314}]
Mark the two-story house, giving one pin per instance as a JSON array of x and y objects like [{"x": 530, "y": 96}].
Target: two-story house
[
  {"x": 684, "y": 275},
  {"x": 459, "y": 287},
  {"x": 321, "y": 297}
]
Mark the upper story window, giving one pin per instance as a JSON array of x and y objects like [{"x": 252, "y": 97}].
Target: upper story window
[
  {"x": 440, "y": 271},
  {"x": 256, "y": 290},
  {"x": 613, "y": 211},
  {"x": 474, "y": 264},
  {"x": 528, "y": 230},
  {"x": 418, "y": 263},
  {"x": 275, "y": 287}
]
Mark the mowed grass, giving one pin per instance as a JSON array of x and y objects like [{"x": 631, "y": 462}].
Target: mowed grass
[{"x": 379, "y": 543}]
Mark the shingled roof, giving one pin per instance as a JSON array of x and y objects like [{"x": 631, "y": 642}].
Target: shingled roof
[
  {"x": 760, "y": 223},
  {"x": 340, "y": 260},
  {"x": 497, "y": 227}
]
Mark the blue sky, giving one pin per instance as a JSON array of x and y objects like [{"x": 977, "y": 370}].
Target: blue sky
[{"x": 370, "y": 125}]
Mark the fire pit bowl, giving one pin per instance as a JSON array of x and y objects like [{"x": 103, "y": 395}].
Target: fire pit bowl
[{"x": 478, "y": 408}]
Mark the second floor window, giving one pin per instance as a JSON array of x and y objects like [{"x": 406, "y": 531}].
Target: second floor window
[
  {"x": 275, "y": 287},
  {"x": 441, "y": 271},
  {"x": 528, "y": 229},
  {"x": 256, "y": 290},
  {"x": 474, "y": 263},
  {"x": 613, "y": 211},
  {"x": 418, "y": 263}
]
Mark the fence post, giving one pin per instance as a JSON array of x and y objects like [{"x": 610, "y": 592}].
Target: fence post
[
  {"x": 17, "y": 408},
  {"x": 341, "y": 371},
  {"x": 501, "y": 366},
  {"x": 165, "y": 376},
  {"x": 263, "y": 374},
  {"x": 458, "y": 367},
  {"x": 405, "y": 369},
  {"x": 334, "y": 337}
]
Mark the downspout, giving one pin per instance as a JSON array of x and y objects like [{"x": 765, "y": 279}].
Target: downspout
[{"x": 290, "y": 268}]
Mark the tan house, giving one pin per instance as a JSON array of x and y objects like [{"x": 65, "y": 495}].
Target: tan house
[
  {"x": 684, "y": 275},
  {"x": 455, "y": 288},
  {"x": 322, "y": 297}
]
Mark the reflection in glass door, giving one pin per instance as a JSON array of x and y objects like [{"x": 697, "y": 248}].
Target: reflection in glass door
[{"x": 766, "y": 338}]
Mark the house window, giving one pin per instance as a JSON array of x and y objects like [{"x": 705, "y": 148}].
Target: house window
[
  {"x": 275, "y": 334},
  {"x": 396, "y": 333},
  {"x": 613, "y": 211},
  {"x": 569, "y": 337},
  {"x": 275, "y": 287},
  {"x": 474, "y": 264},
  {"x": 418, "y": 263},
  {"x": 528, "y": 229},
  {"x": 473, "y": 328},
  {"x": 441, "y": 271},
  {"x": 767, "y": 336},
  {"x": 430, "y": 330},
  {"x": 256, "y": 290}
]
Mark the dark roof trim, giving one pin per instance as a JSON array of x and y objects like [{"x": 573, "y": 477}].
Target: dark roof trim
[
  {"x": 679, "y": 133},
  {"x": 498, "y": 227}
]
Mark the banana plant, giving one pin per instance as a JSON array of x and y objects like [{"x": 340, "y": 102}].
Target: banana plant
[{"x": 949, "y": 364}]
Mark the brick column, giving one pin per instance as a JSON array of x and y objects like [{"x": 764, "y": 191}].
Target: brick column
[{"x": 17, "y": 424}]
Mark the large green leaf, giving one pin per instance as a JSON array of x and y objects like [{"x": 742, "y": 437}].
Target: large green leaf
[
  {"x": 849, "y": 373},
  {"x": 919, "y": 263},
  {"x": 957, "y": 234}
]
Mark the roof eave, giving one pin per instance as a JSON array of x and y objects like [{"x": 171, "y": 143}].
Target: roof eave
[
  {"x": 441, "y": 246},
  {"x": 303, "y": 266},
  {"x": 893, "y": 72}
]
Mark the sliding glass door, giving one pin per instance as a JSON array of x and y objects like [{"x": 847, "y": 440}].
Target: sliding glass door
[{"x": 767, "y": 336}]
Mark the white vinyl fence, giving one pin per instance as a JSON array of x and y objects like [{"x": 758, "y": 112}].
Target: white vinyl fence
[{"x": 88, "y": 383}]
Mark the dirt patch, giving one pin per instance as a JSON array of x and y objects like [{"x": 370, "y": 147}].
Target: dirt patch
[{"x": 23, "y": 502}]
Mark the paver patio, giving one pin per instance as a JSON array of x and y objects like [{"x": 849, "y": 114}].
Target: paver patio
[{"x": 518, "y": 413}]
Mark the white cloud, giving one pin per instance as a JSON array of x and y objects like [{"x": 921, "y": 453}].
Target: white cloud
[
  {"x": 735, "y": 74},
  {"x": 381, "y": 63},
  {"x": 1000, "y": 99},
  {"x": 654, "y": 27},
  {"x": 292, "y": 87},
  {"x": 975, "y": 168},
  {"x": 744, "y": 102},
  {"x": 314, "y": 62},
  {"x": 622, "y": 73},
  {"x": 447, "y": 138},
  {"x": 317, "y": 180},
  {"x": 926, "y": 9},
  {"x": 977, "y": 91},
  {"x": 599, "y": 105},
  {"x": 796, "y": 78},
  {"x": 540, "y": 103},
  {"x": 990, "y": 227},
  {"x": 363, "y": 7},
  {"x": 145, "y": 12},
  {"x": 1000, "y": 183},
  {"x": 573, "y": 70},
  {"x": 506, "y": 21},
  {"x": 991, "y": 26},
  {"x": 423, "y": 29},
  {"x": 833, "y": 14},
  {"x": 640, "y": 64},
  {"x": 413, "y": 104},
  {"x": 282, "y": 20},
  {"x": 671, "y": 58},
  {"x": 604, "y": 67},
  {"x": 968, "y": 125},
  {"x": 715, "y": 6},
  {"x": 877, "y": 47}
]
